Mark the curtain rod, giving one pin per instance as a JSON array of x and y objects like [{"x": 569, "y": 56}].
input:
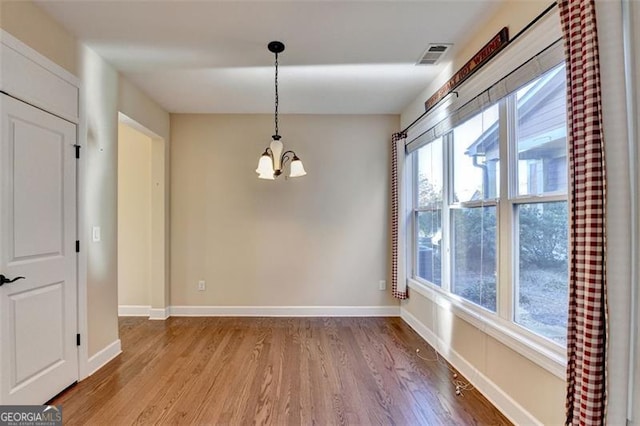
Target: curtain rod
[
  {"x": 514, "y": 38},
  {"x": 488, "y": 89}
]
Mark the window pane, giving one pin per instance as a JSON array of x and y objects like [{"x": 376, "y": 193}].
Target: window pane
[
  {"x": 474, "y": 255},
  {"x": 541, "y": 293},
  {"x": 430, "y": 174},
  {"x": 476, "y": 156},
  {"x": 429, "y": 254},
  {"x": 541, "y": 135}
]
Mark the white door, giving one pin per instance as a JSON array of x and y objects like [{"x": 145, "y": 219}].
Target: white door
[{"x": 38, "y": 352}]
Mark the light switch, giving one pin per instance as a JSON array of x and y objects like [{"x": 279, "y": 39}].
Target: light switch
[{"x": 96, "y": 234}]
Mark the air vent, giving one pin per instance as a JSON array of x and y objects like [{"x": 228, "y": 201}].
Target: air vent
[{"x": 434, "y": 53}]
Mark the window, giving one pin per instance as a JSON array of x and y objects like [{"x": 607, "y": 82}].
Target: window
[
  {"x": 428, "y": 213},
  {"x": 490, "y": 210},
  {"x": 472, "y": 204},
  {"x": 540, "y": 207}
]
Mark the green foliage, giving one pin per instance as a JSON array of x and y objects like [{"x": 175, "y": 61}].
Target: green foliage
[
  {"x": 474, "y": 234},
  {"x": 429, "y": 223},
  {"x": 429, "y": 232},
  {"x": 429, "y": 246},
  {"x": 482, "y": 291},
  {"x": 543, "y": 235},
  {"x": 428, "y": 194}
]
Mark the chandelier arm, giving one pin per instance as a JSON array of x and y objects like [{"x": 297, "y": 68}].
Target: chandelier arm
[{"x": 287, "y": 156}]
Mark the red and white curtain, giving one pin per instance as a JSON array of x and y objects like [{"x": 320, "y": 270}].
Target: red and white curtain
[
  {"x": 398, "y": 217},
  {"x": 587, "y": 325}
]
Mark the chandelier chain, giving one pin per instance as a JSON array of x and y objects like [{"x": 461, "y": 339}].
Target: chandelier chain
[
  {"x": 276, "y": 114},
  {"x": 273, "y": 161}
]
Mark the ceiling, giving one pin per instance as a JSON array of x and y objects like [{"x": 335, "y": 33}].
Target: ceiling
[{"x": 341, "y": 57}]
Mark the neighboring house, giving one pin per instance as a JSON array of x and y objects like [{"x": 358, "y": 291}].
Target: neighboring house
[{"x": 541, "y": 140}]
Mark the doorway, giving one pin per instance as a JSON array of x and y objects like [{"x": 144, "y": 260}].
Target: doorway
[{"x": 141, "y": 222}]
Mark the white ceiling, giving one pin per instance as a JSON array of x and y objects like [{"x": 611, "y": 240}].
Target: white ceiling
[{"x": 341, "y": 57}]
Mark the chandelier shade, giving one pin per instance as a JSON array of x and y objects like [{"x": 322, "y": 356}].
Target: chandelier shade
[
  {"x": 265, "y": 166},
  {"x": 297, "y": 168}
]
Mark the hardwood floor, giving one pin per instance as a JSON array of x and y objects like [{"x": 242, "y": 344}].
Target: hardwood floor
[{"x": 277, "y": 371}]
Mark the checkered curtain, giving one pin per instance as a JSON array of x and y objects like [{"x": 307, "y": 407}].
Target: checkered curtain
[
  {"x": 398, "y": 220},
  {"x": 587, "y": 327}
]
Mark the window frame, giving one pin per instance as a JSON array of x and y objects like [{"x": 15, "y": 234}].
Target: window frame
[
  {"x": 512, "y": 201},
  {"x": 500, "y": 324},
  {"x": 416, "y": 209}
]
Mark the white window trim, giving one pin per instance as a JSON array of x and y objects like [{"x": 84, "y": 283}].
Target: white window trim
[
  {"x": 500, "y": 324},
  {"x": 508, "y": 333}
]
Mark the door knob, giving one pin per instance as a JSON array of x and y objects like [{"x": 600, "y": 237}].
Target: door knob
[{"x": 4, "y": 280}]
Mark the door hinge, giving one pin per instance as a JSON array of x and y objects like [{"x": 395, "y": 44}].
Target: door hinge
[
  {"x": 77, "y": 150},
  {"x": 77, "y": 246},
  {"x": 78, "y": 339}
]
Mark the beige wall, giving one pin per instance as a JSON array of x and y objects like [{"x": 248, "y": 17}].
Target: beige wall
[
  {"x": 318, "y": 240},
  {"x": 539, "y": 392},
  {"x": 134, "y": 217},
  {"x": 103, "y": 93},
  {"x": 619, "y": 118},
  {"x": 98, "y": 194},
  {"x": 34, "y": 27},
  {"x": 514, "y": 14},
  {"x": 635, "y": 19}
]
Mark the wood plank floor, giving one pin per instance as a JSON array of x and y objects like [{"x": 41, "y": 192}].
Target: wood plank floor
[{"x": 277, "y": 371}]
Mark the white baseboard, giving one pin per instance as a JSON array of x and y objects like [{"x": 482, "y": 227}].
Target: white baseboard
[
  {"x": 257, "y": 311},
  {"x": 133, "y": 310},
  {"x": 101, "y": 358},
  {"x": 159, "y": 313},
  {"x": 285, "y": 311},
  {"x": 503, "y": 402}
]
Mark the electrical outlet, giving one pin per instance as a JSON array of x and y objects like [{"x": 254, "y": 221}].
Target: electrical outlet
[
  {"x": 382, "y": 285},
  {"x": 201, "y": 285}
]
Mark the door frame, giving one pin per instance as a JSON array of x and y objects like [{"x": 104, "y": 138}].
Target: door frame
[
  {"x": 21, "y": 65},
  {"x": 159, "y": 292}
]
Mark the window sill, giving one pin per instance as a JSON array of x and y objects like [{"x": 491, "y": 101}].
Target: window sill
[{"x": 501, "y": 330}]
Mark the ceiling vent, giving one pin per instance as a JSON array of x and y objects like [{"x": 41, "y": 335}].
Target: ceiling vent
[{"x": 434, "y": 53}]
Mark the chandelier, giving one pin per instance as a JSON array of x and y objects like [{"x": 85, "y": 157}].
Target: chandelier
[{"x": 273, "y": 160}]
